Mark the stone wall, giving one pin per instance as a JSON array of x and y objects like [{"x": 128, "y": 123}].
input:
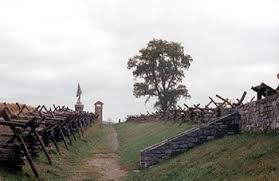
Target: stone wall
[
  {"x": 219, "y": 127},
  {"x": 258, "y": 116},
  {"x": 261, "y": 115},
  {"x": 181, "y": 116}
]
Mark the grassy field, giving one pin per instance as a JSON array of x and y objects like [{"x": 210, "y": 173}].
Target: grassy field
[
  {"x": 69, "y": 163},
  {"x": 240, "y": 157}
]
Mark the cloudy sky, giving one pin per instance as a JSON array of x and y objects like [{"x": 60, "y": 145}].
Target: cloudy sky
[{"x": 47, "y": 47}]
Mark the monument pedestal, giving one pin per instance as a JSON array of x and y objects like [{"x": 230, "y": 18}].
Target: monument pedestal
[{"x": 79, "y": 106}]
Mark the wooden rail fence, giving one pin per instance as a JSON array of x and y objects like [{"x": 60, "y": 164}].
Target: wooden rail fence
[{"x": 29, "y": 131}]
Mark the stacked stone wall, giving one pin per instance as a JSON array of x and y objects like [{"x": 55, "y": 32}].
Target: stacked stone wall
[
  {"x": 258, "y": 116},
  {"x": 261, "y": 115},
  {"x": 217, "y": 128}
]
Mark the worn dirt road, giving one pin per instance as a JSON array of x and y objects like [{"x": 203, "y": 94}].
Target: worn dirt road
[{"x": 104, "y": 166}]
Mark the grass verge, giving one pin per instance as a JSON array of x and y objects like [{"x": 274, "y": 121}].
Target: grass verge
[{"x": 70, "y": 163}]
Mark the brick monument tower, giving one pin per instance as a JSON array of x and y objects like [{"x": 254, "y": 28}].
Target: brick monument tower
[{"x": 99, "y": 110}]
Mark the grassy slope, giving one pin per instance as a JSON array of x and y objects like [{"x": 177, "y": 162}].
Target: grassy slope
[
  {"x": 136, "y": 136},
  {"x": 241, "y": 157},
  {"x": 69, "y": 163}
]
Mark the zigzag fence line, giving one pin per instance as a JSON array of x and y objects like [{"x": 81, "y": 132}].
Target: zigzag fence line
[
  {"x": 28, "y": 131},
  {"x": 194, "y": 114}
]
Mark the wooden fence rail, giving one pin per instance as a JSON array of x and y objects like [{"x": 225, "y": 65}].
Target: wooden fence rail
[
  {"x": 32, "y": 130},
  {"x": 193, "y": 114}
]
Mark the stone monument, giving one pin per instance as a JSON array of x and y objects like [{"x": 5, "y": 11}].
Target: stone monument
[{"x": 79, "y": 106}]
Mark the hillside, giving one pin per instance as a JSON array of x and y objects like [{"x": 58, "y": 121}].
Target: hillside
[
  {"x": 241, "y": 157},
  {"x": 136, "y": 136}
]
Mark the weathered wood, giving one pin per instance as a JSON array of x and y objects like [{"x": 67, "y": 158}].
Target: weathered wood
[
  {"x": 208, "y": 104},
  {"x": 225, "y": 100},
  {"x": 252, "y": 99},
  {"x": 29, "y": 159},
  {"x": 53, "y": 125},
  {"x": 43, "y": 146},
  {"x": 242, "y": 98},
  {"x": 72, "y": 132},
  {"x": 69, "y": 133},
  {"x": 54, "y": 141},
  {"x": 63, "y": 137},
  {"x": 217, "y": 105}
]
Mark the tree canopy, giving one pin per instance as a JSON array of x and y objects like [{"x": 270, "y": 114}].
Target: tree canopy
[{"x": 159, "y": 69}]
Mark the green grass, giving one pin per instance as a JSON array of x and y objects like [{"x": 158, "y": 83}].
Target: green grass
[
  {"x": 239, "y": 157},
  {"x": 69, "y": 163},
  {"x": 136, "y": 136}
]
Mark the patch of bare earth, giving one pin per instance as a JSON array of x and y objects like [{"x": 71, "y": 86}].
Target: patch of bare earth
[
  {"x": 103, "y": 166},
  {"x": 108, "y": 166}
]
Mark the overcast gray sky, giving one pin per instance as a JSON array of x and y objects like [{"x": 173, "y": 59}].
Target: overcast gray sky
[{"x": 47, "y": 47}]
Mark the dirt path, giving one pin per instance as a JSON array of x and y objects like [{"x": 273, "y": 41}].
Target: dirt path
[
  {"x": 105, "y": 165},
  {"x": 108, "y": 166},
  {"x": 113, "y": 140}
]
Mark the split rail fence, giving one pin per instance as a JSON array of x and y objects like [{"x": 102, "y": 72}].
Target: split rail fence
[
  {"x": 195, "y": 114},
  {"x": 27, "y": 132}
]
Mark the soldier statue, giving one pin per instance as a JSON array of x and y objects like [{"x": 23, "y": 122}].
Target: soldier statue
[
  {"x": 79, "y": 92},
  {"x": 79, "y": 106}
]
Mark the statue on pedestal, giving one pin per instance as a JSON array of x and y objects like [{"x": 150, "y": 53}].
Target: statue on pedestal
[{"x": 79, "y": 106}]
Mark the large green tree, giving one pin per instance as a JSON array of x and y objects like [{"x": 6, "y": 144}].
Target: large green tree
[{"x": 159, "y": 69}]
